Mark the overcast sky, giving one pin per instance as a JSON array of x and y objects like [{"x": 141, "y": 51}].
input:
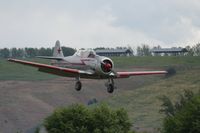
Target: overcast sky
[{"x": 96, "y": 23}]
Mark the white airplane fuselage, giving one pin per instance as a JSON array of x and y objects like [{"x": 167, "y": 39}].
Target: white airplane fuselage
[
  {"x": 99, "y": 65},
  {"x": 76, "y": 62}
]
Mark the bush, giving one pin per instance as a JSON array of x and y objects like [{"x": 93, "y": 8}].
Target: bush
[
  {"x": 184, "y": 115},
  {"x": 79, "y": 119}
]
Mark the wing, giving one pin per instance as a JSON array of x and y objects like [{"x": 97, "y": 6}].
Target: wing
[
  {"x": 66, "y": 72},
  {"x": 138, "y": 73}
]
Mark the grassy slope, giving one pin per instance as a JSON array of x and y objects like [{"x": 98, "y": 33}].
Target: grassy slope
[{"x": 142, "y": 103}]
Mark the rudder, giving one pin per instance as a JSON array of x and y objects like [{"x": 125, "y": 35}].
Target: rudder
[{"x": 57, "y": 51}]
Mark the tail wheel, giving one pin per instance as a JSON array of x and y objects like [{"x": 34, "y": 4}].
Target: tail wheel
[
  {"x": 110, "y": 88},
  {"x": 78, "y": 85}
]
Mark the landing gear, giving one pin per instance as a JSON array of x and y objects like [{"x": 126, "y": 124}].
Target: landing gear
[
  {"x": 110, "y": 85},
  {"x": 78, "y": 84},
  {"x": 110, "y": 88}
]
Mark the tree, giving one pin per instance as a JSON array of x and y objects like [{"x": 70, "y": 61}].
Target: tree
[
  {"x": 139, "y": 51},
  {"x": 99, "y": 48},
  {"x": 106, "y": 120},
  {"x": 31, "y": 52},
  {"x": 144, "y": 50},
  {"x": 190, "y": 51},
  {"x": 49, "y": 52},
  {"x": 14, "y": 52},
  {"x": 79, "y": 119},
  {"x": 68, "y": 51},
  {"x": 184, "y": 114},
  {"x": 74, "y": 119},
  {"x": 157, "y": 47},
  {"x": 5, "y": 53},
  {"x": 196, "y": 49}
]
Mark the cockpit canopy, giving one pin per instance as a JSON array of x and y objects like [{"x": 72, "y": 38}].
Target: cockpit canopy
[{"x": 85, "y": 53}]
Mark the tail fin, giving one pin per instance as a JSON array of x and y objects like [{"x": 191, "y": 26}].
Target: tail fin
[{"x": 57, "y": 51}]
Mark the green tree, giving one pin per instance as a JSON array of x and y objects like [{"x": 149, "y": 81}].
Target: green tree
[
  {"x": 184, "y": 116},
  {"x": 41, "y": 52},
  {"x": 49, "y": 52},
  {"x": 139, "y": 51},
  {"x": 74, "y": 119},
  {"x": 68, "y": 51},
  {"x": 106, "y": 120},
  {"x": 5, "y": 53},
  {"x": 16, "y": 52},
  {"x": 80, "y": 119},
  {"x": 190, "y": 51},
  {"x": 31, "y": 52},
  {"x": 144, "y": 50},
  {"x": 196, "y": 49}
]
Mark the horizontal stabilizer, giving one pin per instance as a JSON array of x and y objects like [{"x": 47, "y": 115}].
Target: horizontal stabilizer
[{"x": 50, "y": 57}]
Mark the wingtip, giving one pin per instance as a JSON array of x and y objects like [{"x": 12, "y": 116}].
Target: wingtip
[
  {"x": 170, "y": 72},
  {"x": 9, "y": 59}
]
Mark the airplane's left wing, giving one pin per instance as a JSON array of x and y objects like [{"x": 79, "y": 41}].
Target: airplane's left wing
[
  {"x": 67, "y": 72},
  {"x": 138, "y": 73}
]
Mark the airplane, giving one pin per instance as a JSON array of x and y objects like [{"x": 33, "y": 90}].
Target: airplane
[{"x": 83, "y": 64}]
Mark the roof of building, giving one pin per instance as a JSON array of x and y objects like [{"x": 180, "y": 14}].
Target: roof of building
[
  {"x": 112, "y": 50},
  {"x": 163, "y": 50}
]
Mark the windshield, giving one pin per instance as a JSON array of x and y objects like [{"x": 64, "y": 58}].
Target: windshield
[{"x": 85, "y": 53}]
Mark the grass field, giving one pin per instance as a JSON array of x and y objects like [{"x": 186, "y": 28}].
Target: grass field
[{"x": 141, "y": 102}]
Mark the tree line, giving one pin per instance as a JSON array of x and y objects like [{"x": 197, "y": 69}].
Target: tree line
[
  {"x": 32, "y": 52},
  {"x": 143, "y": 50}
]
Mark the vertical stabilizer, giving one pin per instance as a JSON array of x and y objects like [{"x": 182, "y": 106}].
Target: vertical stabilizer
[{"x": 57, "y": 51}]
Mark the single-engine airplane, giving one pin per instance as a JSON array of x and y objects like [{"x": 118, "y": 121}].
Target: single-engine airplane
[{"x": 83, "y": 64}]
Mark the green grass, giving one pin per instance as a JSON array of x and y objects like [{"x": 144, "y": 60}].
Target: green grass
[
  {"x": 155, "y": 61},
  {"x": 14, "y": 71}
]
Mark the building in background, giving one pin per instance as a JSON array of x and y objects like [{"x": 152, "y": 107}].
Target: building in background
[
  {"x": 114, "y": 52},
  {"x": 169, "y": 51}
]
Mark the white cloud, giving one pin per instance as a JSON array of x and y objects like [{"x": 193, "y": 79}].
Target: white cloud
[{"x": 99, "y": 23}]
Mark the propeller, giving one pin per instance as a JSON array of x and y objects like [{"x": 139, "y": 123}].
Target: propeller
[{"x": 106, "y": 65}]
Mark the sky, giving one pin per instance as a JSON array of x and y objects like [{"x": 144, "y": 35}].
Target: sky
[{"x": 99, "y": 23}]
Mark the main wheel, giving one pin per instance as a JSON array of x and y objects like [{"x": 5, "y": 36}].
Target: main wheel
[
  {"x": 78, "y": 86},
  {"x": 110, "y": 88}
]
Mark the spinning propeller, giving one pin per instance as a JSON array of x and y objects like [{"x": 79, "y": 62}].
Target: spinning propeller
[{"x": 106, "y": 66}]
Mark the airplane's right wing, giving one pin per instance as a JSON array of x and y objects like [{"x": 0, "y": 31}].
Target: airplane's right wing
[
  {"x": 138, "y": 73},
  {"x": 66, "y": 72}
]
